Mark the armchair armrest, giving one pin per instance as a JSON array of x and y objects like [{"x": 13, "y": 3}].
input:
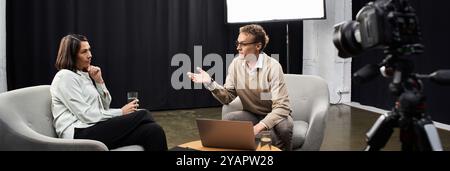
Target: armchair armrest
[{"x": 24, "y": 138}]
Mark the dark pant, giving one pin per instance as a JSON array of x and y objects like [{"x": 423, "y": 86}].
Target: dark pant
[
  {"x": 137, "y": 128},
  {"x": 281, "y": 132}
]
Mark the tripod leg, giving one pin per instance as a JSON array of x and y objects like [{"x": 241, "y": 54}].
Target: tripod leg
[
  {"x": 427, "y": 136},
  {"x": 380, "y": 132}
]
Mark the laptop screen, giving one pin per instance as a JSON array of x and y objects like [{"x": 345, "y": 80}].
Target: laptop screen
[{"x": 226, "y": 134}]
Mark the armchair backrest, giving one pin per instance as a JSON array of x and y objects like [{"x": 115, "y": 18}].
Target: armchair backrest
[
  {"x": 306, "y": 93},
  {"x": 28, "y": 107}
]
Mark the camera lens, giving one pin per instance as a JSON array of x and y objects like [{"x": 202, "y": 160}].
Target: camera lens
[{"x": 346, "y": 39}]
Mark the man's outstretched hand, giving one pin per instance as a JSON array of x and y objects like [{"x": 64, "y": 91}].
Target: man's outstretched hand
[{"x": 201, "y": 77}]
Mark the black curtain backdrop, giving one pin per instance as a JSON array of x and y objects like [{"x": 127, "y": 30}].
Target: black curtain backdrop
[
  {"x": 133, "y": 41},
  {"x": 435, "y": 26}
]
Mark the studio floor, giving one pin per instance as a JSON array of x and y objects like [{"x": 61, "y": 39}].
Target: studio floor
[{"x": 345, "y": 130}]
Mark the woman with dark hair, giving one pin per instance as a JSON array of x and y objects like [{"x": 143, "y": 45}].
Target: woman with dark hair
[{"x": 81, "y": 109}]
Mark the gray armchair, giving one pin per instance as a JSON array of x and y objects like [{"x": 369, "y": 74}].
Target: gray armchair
[
  {"x": 26, "y": 123},
  {"x": 309, "y": 99}
]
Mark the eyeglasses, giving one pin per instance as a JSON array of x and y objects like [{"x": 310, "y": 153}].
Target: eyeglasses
[{"x": 243, "y": 43}]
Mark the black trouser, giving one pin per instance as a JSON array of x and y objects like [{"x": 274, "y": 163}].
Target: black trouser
[{"x": 137, "y": 128}]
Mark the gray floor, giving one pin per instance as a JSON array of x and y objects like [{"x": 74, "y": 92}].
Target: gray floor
[{"x": 345, "y": 131}]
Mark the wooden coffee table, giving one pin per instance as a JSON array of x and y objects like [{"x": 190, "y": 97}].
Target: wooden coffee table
[{"x": 197, "y": 145}]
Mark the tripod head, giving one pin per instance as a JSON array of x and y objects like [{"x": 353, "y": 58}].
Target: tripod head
[{"x": 417, "y": 131}]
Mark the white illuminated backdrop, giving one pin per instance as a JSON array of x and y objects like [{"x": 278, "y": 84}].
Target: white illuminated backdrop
[{"x": 240, "y": 11}]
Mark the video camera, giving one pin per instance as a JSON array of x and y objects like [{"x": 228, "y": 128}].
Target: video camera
[
  {"x": 393, "y": 25},
  {"x": 383, "y": 23}
]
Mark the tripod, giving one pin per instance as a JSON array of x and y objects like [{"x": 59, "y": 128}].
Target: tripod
[{"x": 417, "y": 132}]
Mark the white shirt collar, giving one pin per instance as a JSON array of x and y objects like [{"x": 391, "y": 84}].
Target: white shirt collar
[{"x": 259, "y": 62}]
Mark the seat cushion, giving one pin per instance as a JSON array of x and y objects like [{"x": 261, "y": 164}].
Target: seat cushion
[
  {"x": 299, "y": 133},
  {"x": 129, "y": 148}
]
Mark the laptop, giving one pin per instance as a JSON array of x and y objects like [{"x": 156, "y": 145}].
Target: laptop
[{"x": 226, "y": 134}]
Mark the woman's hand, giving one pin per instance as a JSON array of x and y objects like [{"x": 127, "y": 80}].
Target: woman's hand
[
  {"x": 201, "y": 77},
  {"x": 130, "y": 107},
  {"x": 96, "y": 73}
]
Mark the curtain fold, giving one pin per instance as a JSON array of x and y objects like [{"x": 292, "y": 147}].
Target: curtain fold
[{"x": 3, "y": 85}]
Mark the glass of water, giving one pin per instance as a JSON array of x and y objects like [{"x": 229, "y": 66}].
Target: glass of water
[
  {"x": 132, "y": 95},
  {"x": 265, "y": 142}
]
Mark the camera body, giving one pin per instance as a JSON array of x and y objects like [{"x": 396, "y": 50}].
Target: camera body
[{"x": 389, "y": 24}]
